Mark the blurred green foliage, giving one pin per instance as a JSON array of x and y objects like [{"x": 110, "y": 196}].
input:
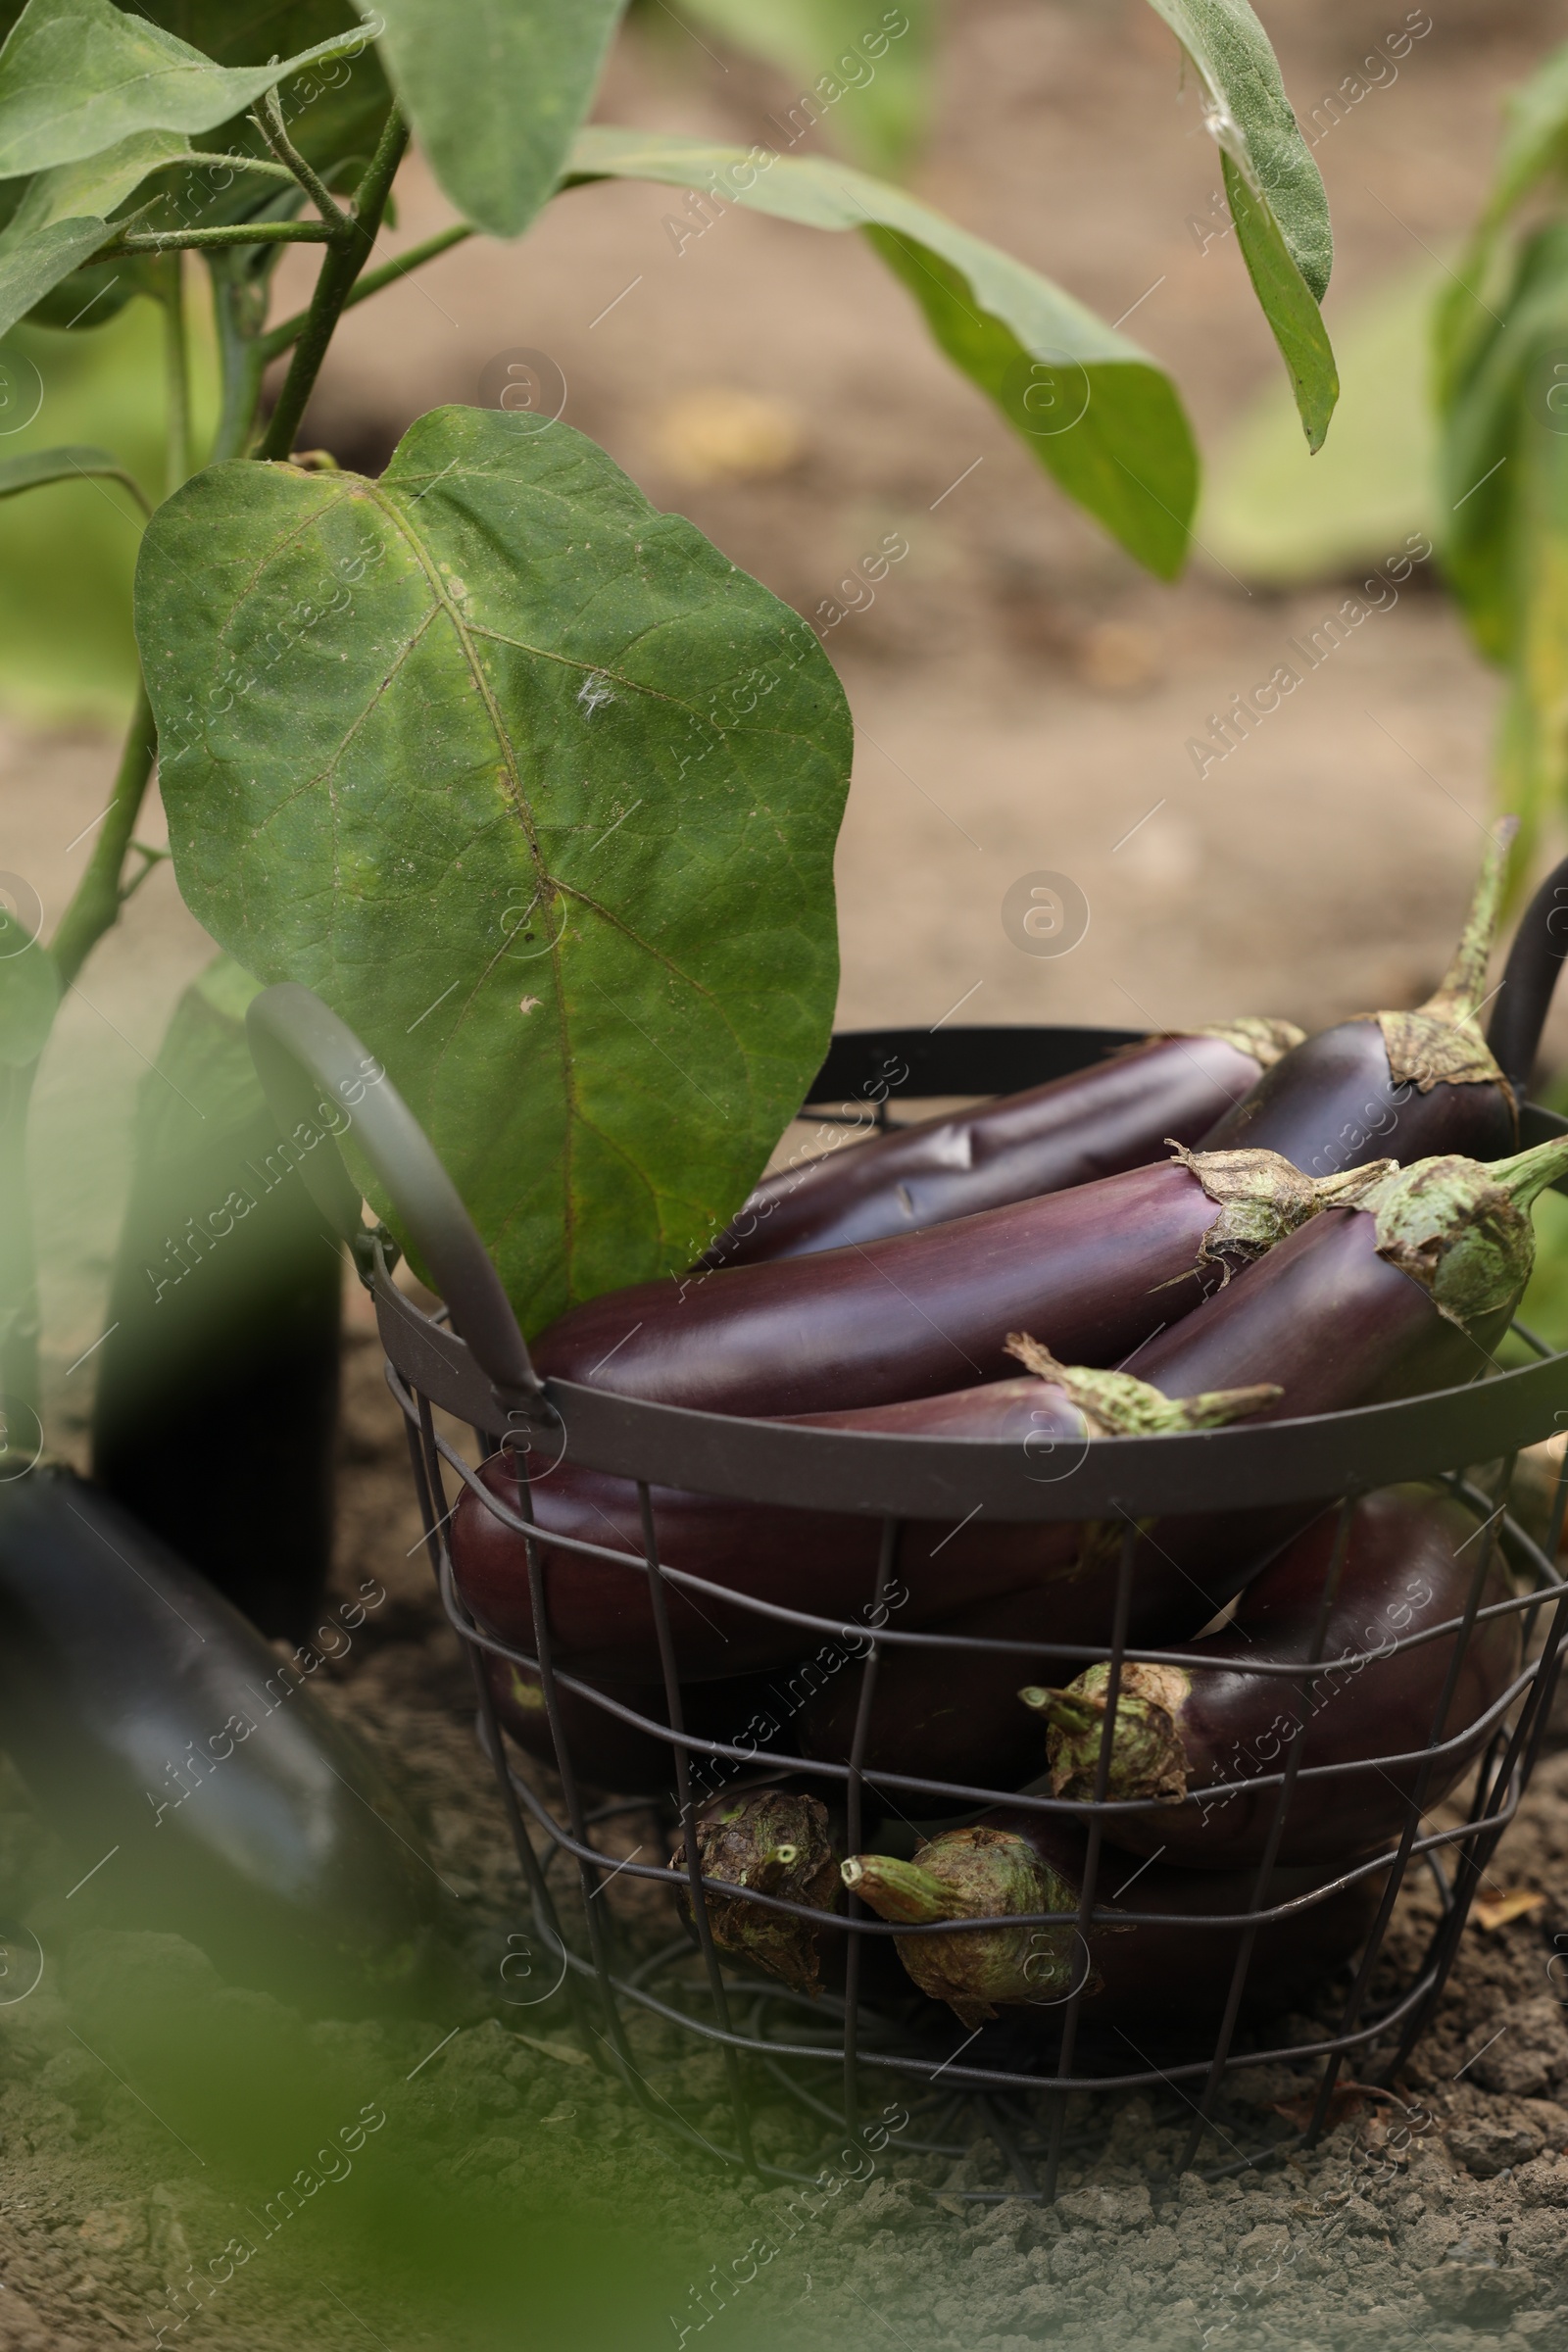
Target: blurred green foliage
[{"x": 67, "y": 553}]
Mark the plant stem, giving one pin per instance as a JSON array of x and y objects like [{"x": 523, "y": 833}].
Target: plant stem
[
  {"x": 176, "y": 356},
  {"x": 269, "y": 121},
  {"x": 95, "y": 907},
  {"x": 344, "y": 261},
  {"x": 277, "y": 338},
  {"x": 20, "y": 1385},
  {"x": 247, "y": 232}
]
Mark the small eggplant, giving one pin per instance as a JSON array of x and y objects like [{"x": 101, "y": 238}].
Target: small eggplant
[
  {"x": 1406, "y": 1292},
  {"x": 1092, "y": 1123},
  {"x": 1103, "y": 1267},
  {"x": 1015, "y": 1862},
  {"x": 601, "y": 1617},
  {"x": 1180, "y": 1729},
  {"x": 775, "y": 1842},
  {"x": 1528, "y": 978},
  {"x": 1416, "y": 1084}
]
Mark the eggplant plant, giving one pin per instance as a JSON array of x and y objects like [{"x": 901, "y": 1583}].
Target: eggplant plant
[
  {"x": 523, "y": 776},
  {"x": 1500, "y": 381}
]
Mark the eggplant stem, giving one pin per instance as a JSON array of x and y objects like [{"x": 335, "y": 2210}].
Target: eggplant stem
[
  {"x": 900, "y": 1890},
  {"x": 1069, "y": 1710},
  {"x": 1528, "y": 1174},
  {"x": 1464, "y": 985}
]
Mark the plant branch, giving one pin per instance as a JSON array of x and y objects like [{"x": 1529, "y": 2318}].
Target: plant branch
[
  {"x": 235, "y": 162},
  {"x": 95, "y": 907},
  {"x": 278, "y": 339},
  {"x": 342, "y": 266},
  {"x": 193, "y": 240},
  {"x": 20, "y": 1390},
  {"x": 172, "y": 291},
  {"x": 269, "y": 121}
]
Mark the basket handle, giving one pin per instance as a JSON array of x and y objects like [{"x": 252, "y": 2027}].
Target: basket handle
[{"x": 313, "y": 1069}]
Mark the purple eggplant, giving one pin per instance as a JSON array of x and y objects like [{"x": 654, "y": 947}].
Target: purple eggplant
[
  {"x": 1413, "y": 1084},
  {"x": 1015, "y": 1862},
  {"x": 1528, "y": 978},
  {"x": 1101, "y": 1268},
  {"x": 1180, "y": 1729},
  {"x": 1092, "y": 1123},
  {"x": 611, "y": 1754},
  {"x": 601, "y": 1624}
]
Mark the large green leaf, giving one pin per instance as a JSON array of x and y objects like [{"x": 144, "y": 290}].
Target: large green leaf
[
  {"x": 1096, "y": 411},
  {"x": 80, "y": 75},
  {"x": 1274, "y": 188},
  {"x": 495, "y": 89},
  {"x": 1534, "y": 149},
  {"x": 539, "y": 790},
  {"x": 29, "y": 991},
  {"x": 863, "y": 76}
]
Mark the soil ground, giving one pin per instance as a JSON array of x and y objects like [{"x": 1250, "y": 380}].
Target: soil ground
[{"x": 1023, "y": 698}]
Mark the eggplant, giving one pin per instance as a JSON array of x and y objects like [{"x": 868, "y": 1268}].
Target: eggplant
[
  {"x": 191, "y": 1774},
  {"x": 1143, "y": 1972},
  {"x": 1528, "y": 978},
  {"x": 1092, "y": 1123},
  {"x": 1413, "y": 1084},
  {"x": 775, "y": 1842},
  {"x": 602, "y": 1625},
  {"x": 609, "y": 1754},
  {"x": 1180, "y": 1729},
  {"x": 1105, "y": 1266}
]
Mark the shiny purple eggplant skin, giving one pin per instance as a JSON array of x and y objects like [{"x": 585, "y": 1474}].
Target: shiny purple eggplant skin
[
  {"x": 824, "y": 1563},
  {"x": 1096, "y": 1271},
  {"x": 1337, "y": 1324},
  {"x": 1160, "y": 1972},
  {"x": 1334, "y": 1103},
  {"x": 1410, "y": 1564},
  {"x": 1092, "y": 1123}
]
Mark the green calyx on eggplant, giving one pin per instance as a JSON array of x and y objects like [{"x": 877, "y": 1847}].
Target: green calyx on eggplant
[
  {"x": 1211, "y": 1720},
  {"x": 774, "y": 1842},
  {"x": 1416, "y": 1084},
  {"x": 1161, "y": 1944},
  {"x": 1119, "y": 1404},
  {"x": 1094, "y": 1122},
  {"x": 926, "y": 1313},
  {"x": 976, "y": 1873}
]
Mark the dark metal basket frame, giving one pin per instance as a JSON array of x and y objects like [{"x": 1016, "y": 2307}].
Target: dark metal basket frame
[{"x": 477, "y": 1369}]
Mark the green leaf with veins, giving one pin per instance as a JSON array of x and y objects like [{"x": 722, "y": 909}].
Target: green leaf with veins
[
  {"x": 1274, "y": 188},
  {"x": 29, "y": 991},
  {"x": 80, "y": 75},
  {"x": 539, "y": 791},
  {"x": 33, "y": 264},
  {"x": 1099, "y": 415},
  {"x": 495, "y": 89}
]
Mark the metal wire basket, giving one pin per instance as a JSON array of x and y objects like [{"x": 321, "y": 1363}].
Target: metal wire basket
[{"x": 469, "y": 1361}]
